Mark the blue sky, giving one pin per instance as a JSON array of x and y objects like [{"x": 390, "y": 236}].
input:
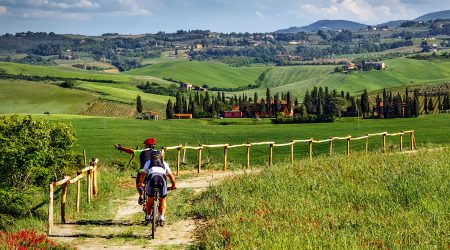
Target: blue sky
[{"x": 93, "y": 17}]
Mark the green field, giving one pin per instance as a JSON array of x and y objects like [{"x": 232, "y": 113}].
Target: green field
[
  {"x": 363, "y": 201},
  {"x": 199, "y": 73},
  {"x": 60, "y": 71},
  {"x": 399, "y": 72},
  {"x": 27, "y": 97},
  {"x": 98, "y": 140}
]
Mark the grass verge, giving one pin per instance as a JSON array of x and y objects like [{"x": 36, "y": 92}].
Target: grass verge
[{"x": 361, "y": 201}]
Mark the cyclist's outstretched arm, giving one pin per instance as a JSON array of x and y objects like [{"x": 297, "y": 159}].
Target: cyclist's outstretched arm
[
  {"x": 172, "y": 180},
  {"x": 123, "y": 149}
]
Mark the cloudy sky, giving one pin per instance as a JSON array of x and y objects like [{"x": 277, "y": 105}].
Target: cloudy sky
[{"x": 92, "y": 17}]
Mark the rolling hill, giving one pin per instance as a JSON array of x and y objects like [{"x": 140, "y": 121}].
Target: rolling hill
[
  {"x": 445, "y": 14},
  {"x": 199, "y": 73},
  {"x": 325, "y": 25},
  {"x": 400, "y": 71}
]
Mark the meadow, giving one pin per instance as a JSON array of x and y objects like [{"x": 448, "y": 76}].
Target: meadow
[
  {"x": 199, "y": 73},
  {"x": 98, "y": 135},
  {"x": 59, "y": 71},
  {"x": 18, "y": 96},
  {"x": 372, "y": 201}
]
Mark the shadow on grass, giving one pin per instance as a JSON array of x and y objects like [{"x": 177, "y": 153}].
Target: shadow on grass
[
  {"x": 105, "y": 223},
  {"x": 107, "y": 236}
]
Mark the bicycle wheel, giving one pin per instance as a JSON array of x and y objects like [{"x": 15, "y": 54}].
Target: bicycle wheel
[{"x": 155, "y": 212}]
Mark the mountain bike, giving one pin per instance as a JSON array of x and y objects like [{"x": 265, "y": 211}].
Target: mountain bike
[{"x": 155, "y": 210}]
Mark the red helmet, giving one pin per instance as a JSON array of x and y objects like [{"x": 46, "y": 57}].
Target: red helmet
[{"x": 150, "y": 141}]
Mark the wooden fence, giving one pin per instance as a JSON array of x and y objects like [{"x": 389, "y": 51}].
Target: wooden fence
[
  {"x": 90, "y": 172},
  {"x": 271, "y": 145}
]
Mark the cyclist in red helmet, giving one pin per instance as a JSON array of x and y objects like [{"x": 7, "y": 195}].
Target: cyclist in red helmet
[{"x": 154, "y": 172}]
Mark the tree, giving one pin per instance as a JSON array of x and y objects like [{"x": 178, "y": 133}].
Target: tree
[
  {"x": 268, "y": 101},
  {"x": 178, "y": 103},
  {"x": 407, "y": 104},
  {"x": 365, "y": 103},
  {"x": 289, "y": 101},
  {"x": 139, "y": 104},
  {"x": 33, "y": 153},
  {"x": 169, "y": 109},
  {"x": 307, "y": 101}
]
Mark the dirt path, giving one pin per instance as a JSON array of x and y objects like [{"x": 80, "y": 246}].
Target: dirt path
[{"x": 124, "y": 231}]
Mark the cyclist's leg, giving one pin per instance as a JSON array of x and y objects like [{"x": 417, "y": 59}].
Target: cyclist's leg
[
  {"x": 162, "y": 206},
  {"x": 149, "y": 205}
]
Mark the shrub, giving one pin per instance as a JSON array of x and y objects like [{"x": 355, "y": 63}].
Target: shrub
[{"x": 32, "y": 154}]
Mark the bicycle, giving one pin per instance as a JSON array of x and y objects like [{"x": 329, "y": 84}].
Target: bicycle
[{"x": 155, "y": 211}]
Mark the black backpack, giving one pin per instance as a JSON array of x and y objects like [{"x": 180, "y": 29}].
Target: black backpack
[
  {"x": 156, "y": 159},
  {"x": 154, "y": 156}
]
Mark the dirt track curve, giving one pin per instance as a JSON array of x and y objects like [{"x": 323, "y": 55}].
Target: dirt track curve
[{"x": 124, "y": 231}]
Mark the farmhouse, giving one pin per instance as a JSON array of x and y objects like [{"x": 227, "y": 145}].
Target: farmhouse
[
  {"x": 186, "y": 86},
  {"x": 234, "y": 113},
  {"x": 146, "y": 115},
  {"x": 350, "y": 66},
  {"x": 183, "y": 116}
]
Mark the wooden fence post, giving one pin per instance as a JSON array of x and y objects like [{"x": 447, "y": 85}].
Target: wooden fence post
[
  {"x": 95, "y": 161},
  {"x": 348, "y": 145},
  {"x": 225, "y": 157},
  {"x": 50, "y": 210},
  {"x": 199, "y": 158},
  {"x": 367, "y": 143},
  {"x": 270, "y": 154},
  {"x": 384, "y": 142},
  {"x": 178, "y": 159},
  {"x": 310, "y": 148},
  {"x": 401, "y": 141},
  {"x": 292, "y": 152},
  {"x": 248, "y": 155},
  {"x": 414, "y": 140},
  {"x": 63, "y": 201},
  {"x": 331, "y": 146},
  {"x": 78, "y": 193},
  {"x": 88, "y": 186},
  {"x": 85, "y": 159}
]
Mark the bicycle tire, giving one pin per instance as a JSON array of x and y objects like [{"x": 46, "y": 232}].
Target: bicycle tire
[{"x": 155, "y": 212}]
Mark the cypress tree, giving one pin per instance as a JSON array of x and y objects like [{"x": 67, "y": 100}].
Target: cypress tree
[
  {"x": 185, "y": 106},
  {"x": 425, "y": 104},
  {"x": 178, "y": 103},
  {"x": 289, "y": 101},
  {"x": 307, "y": 101},
  {"x": 139, "y": 104},
  {"x": 169, "y": 110},
  {"x": 407, "y": 104},
  {"x": 268, "y": 101}
]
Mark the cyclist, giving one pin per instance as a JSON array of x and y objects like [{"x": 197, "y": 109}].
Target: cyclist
[{"x": 153, "y": 175}]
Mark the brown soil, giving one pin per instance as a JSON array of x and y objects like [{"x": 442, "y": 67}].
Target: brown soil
[{"x": 116, "y": 234}]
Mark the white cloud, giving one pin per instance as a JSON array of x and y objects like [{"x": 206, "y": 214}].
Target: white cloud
[
  {"x": 55, "y": 14},
  {"x": 3, "y": 10},
  {"x": 86, "y": 4},
  {"x": 359, "y": 10}
]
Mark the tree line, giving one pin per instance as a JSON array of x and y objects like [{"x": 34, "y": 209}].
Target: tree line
[{"x": 318, "y": 105}]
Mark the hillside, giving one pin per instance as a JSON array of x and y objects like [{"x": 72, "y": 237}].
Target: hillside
[
  {"x": 36, "y": 98},
  {"x": 60, "y": 71},
  {"x": 199, "y": 73},
  {"x": 400, "y": 71},
  {"x": 445, "y": 14},
  {"x": 325, "y": 25}
]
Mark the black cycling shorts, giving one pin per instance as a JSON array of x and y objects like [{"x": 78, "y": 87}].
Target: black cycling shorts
[{"x": 157, "y": 181}]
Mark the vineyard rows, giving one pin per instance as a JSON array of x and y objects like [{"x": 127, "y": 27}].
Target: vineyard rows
[{"x": 109, "y": 109}]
